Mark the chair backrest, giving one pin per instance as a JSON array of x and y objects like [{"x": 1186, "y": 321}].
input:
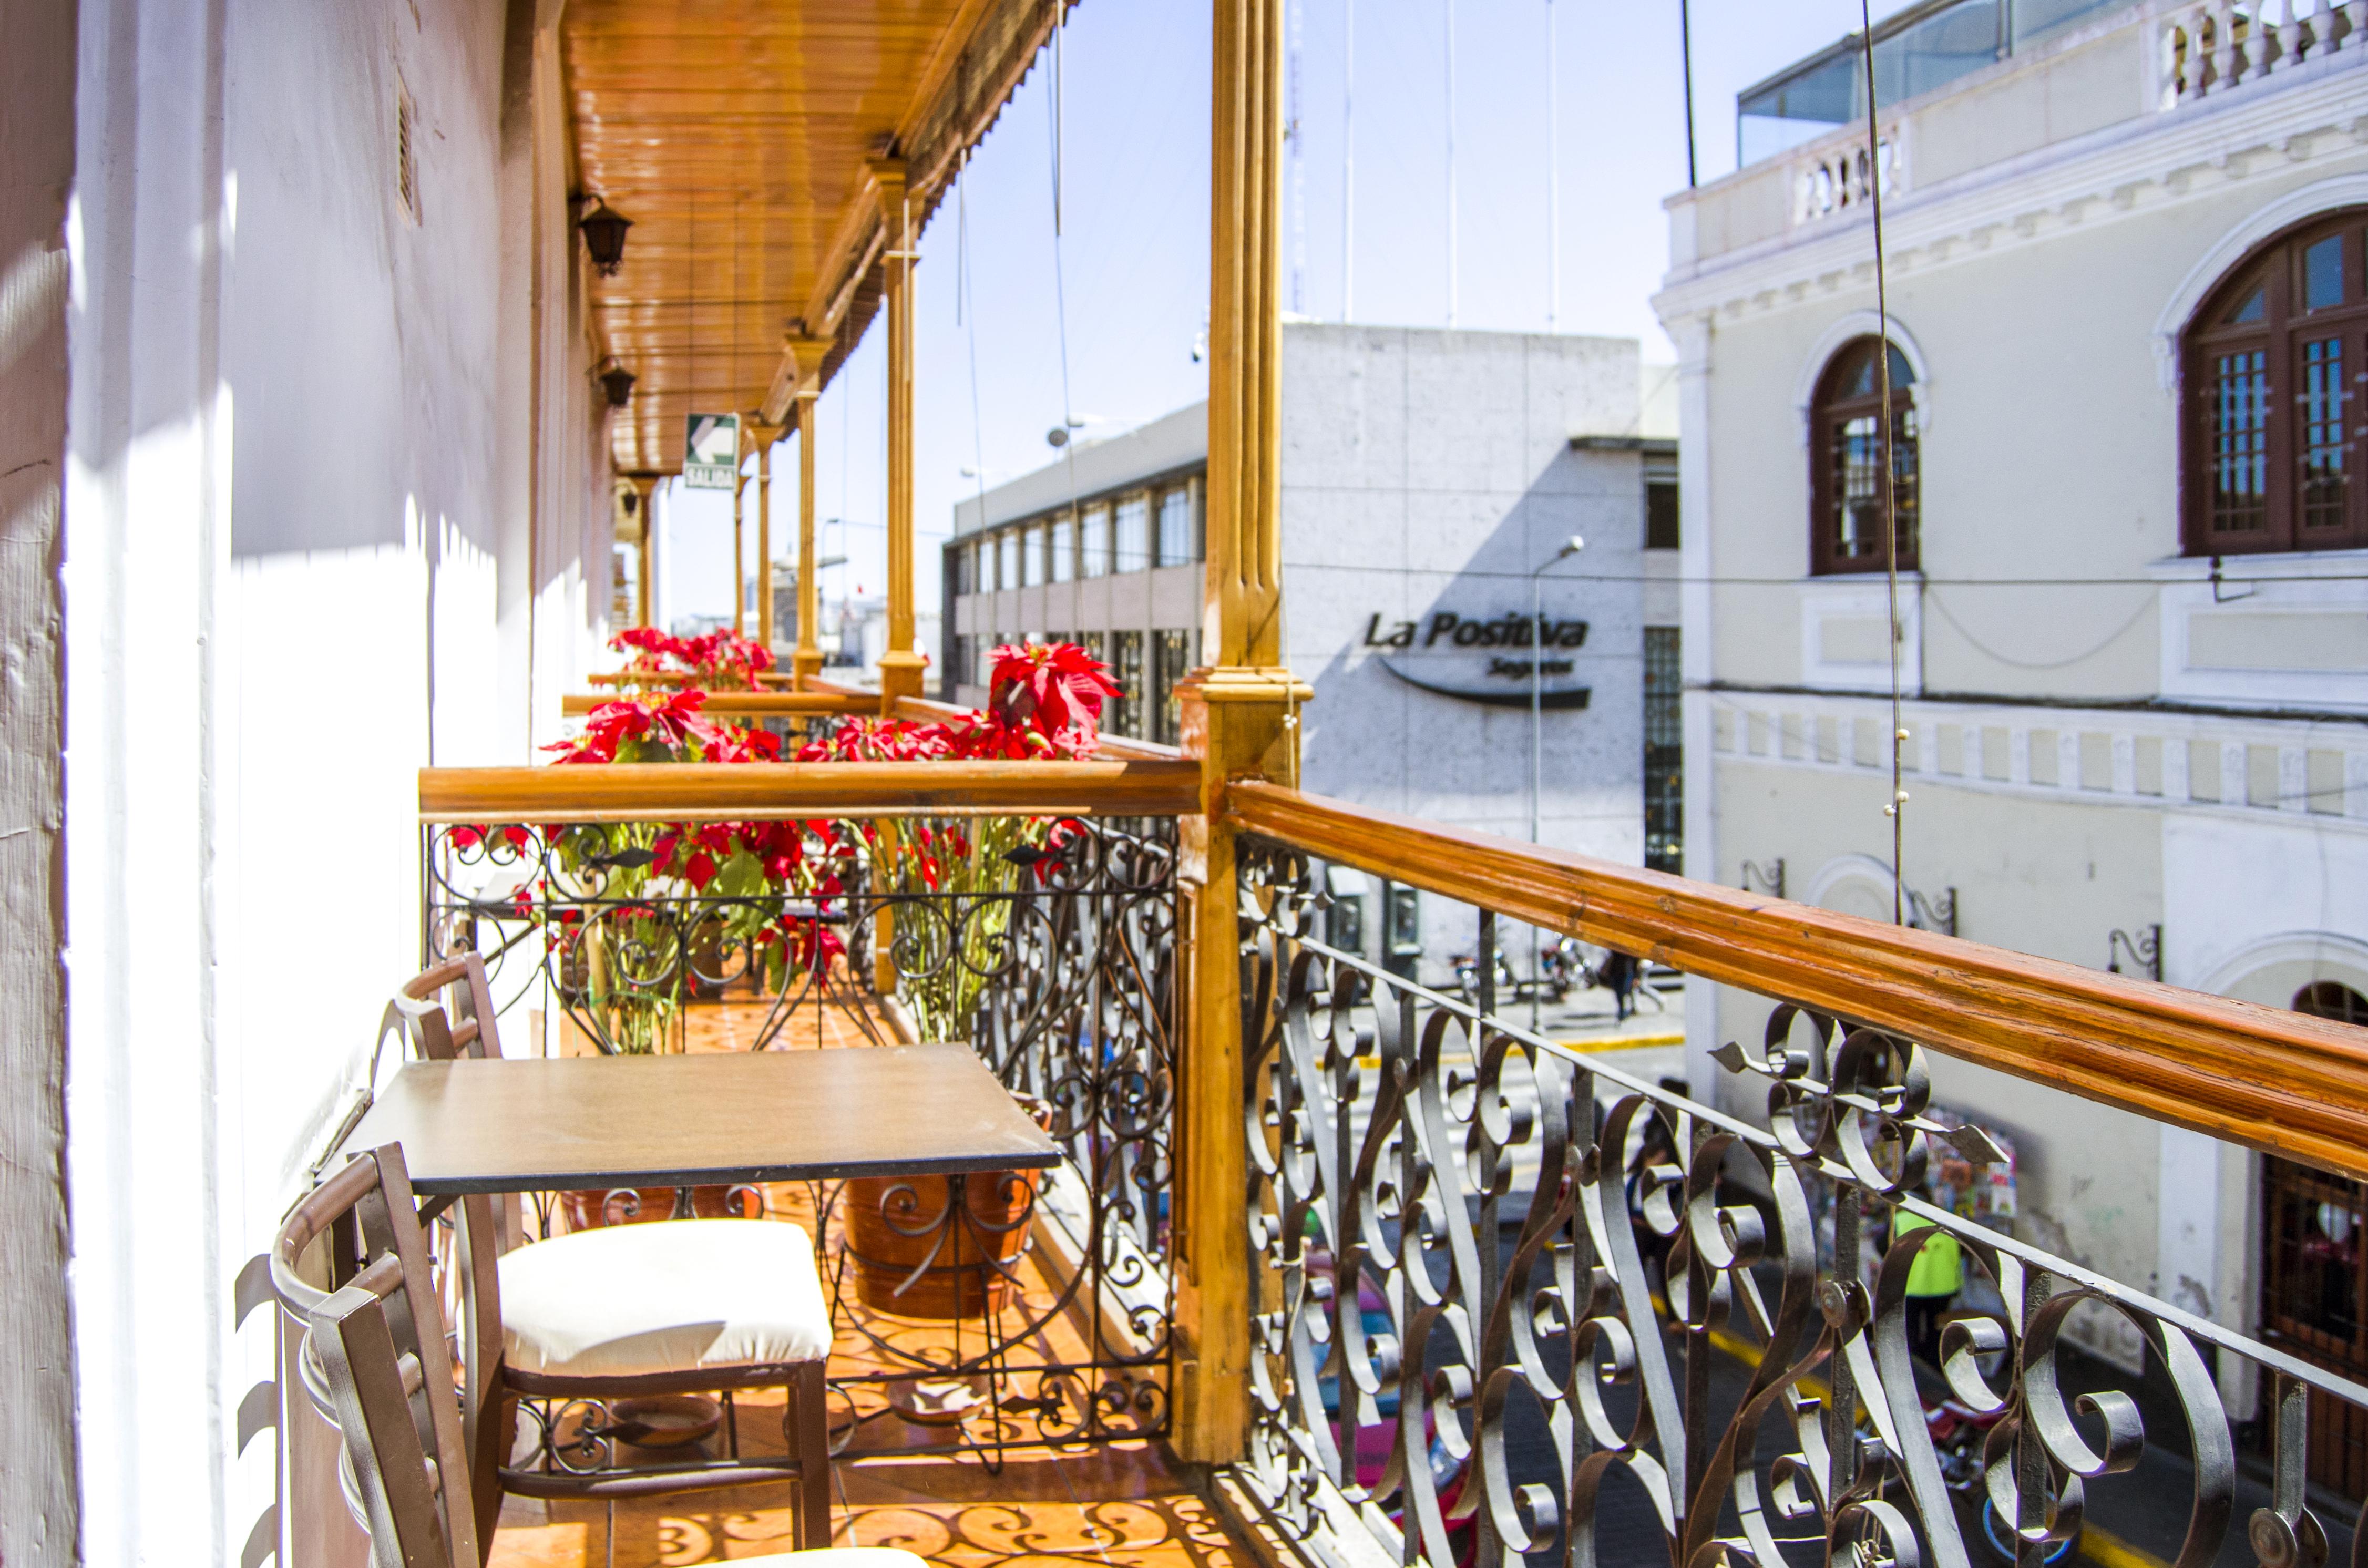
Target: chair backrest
[
  {"x": 440, "y": 1031},
  {"x": 375, "y": 1364},
  {"x": 444, "y": 1013}
]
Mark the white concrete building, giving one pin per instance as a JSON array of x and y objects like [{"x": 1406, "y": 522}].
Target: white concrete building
[
  {"x": 2125, "y": 252},
  {"x": 1425, "y": 475}
]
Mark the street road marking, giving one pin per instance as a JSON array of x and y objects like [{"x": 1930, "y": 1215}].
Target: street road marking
[
  {"x": 2109, "y": 1551},
  {"x": 1592, "y": 1044}
]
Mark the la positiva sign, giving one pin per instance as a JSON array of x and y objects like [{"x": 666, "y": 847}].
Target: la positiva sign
[
  {"x": 1444, "y": 631},
  {"x": 1512, "y": 630}
]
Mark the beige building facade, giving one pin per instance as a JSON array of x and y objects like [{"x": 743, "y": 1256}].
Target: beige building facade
[{"x": 2133, "y": 600}]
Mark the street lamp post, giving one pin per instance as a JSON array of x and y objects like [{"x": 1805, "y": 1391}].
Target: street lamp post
[{"x": 1537, "y": 733}]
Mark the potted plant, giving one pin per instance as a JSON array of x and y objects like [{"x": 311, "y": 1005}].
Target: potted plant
[
  {"x": 717, "y": 661},
  {"x": 901, "y": 1237}
]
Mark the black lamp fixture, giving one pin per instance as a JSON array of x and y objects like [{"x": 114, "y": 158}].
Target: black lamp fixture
[
  {"x": 618, "y": 381},
  {"x": 604, "y": 236}
]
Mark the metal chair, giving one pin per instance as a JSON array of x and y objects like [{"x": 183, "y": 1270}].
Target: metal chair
[
  {"x": 388, "y": 1388},
  {"x": 386, "y": 1385},
  {"x": 584, "y": 1320}
]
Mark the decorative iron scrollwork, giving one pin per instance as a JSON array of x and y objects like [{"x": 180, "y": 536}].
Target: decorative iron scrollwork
[
  {"x": 1466, "y": 1233},
  {"x": 1056, "y": 963}
]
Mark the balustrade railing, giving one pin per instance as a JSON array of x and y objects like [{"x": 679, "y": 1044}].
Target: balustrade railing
[
  {"x": 1841, "y": 178},
  {"x": 2211, "y": 46},
  {"x": 1027, "y": 910},
  {"x": 1513, "y": 1299}
]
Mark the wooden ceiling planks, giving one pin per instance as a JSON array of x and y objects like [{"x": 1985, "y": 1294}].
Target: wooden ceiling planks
[{"x": 735, "y": 134}]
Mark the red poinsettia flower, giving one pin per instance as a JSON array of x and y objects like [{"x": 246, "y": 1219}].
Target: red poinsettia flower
[
  {"x": 1050, "y": 687},
  {"x": 812, "y": 944}
]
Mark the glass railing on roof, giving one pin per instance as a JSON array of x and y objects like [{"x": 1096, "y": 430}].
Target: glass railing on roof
[{"x": 1923, "y": 48}]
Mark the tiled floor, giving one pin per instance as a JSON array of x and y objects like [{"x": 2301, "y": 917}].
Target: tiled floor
[{"x": 1122, "y": 1506}]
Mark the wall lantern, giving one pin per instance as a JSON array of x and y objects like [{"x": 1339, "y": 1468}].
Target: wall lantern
[
  {"x": 618, "y": 381},
  {"x": 604, "y": 236}
]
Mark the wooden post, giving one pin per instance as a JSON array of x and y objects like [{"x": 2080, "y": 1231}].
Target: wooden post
[
  {"x": 807, "y": 660},
  {"x": 739, "y": 551},
  {"x": 646, "y": 488},
  {"x": 901, "y": 667},
  {"x": 884, "y": 921},
  {"x": 766, "y": 434},
  {"x": 1240, "y": 719},
  {"x": 809, "y": 353}
]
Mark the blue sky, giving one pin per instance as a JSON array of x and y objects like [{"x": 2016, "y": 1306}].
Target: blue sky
[{"x": 1133, "y": 250}]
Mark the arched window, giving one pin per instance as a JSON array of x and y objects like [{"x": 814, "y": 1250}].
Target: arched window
[
  {"x": 2332, "y": 999},
  {"x": 1846, "y": 461},
  {"x": 2273, "y": 366}
]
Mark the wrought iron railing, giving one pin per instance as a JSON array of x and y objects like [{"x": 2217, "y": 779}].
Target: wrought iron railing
[
  {"x": 1002, "y": 1312},
  {"x": 1511, "y": 1298}
]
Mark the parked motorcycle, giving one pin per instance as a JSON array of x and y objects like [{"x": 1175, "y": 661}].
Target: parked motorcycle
[
  {"x": 1564, "y": 967},
  {"x": 1467, "y": 979}
]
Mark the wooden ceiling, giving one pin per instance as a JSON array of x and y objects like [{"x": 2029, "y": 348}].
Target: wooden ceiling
[{"x": 736, "y": 135}]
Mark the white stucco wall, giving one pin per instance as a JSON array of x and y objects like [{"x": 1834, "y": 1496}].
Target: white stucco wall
[{"x": 297, "y": 525}]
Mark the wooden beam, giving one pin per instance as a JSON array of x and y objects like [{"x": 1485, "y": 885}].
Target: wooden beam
[
  {"x": 805, "y": 662},
  {"x": 703, "y": 791},
  {"x": 645, "y": 486},
  {"x": 766, "y": 434},
  {"x": 927, "y": 711},
  {"x": 766, "y": 679},
  {"x": 741, "y": 704},
  {"x": 2281, "y": 1082}
]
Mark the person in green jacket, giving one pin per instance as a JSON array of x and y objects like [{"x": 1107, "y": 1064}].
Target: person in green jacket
[{"x": 1933, "y": 1281}]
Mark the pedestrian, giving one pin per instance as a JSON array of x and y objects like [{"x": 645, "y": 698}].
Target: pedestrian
[
  {"x": 1620, "y": 974},
  {"x": 1934, "y": 1279}
]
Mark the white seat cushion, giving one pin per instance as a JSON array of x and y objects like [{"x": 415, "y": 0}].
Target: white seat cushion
[
  {"x": 669, "y": 1297},
  {"x": 835, "y": 1557}
]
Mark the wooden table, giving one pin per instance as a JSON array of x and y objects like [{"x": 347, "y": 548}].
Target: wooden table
[{"x": 612, "y": 1121}]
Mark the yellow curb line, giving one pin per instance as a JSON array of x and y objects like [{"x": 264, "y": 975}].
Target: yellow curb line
[
  {"x": 2109, "y": 1551},
  {"x": 1593, "y": 1043}
]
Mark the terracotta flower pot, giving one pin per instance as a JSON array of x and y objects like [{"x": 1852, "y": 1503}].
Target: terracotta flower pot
[{"x": 962, "y": 1279}]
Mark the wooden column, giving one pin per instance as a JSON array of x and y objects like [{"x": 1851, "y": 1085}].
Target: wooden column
[
  {"x": 901, "y": 667},
  {"x": 807, "y": 660},
  {"x": 739, "y": 550},
  {"x": 765, "y": 435},
  {"x": 646, "y": 488},
  {"x": 1240, "y": 719},
  {"x": 809, "y": 354}
]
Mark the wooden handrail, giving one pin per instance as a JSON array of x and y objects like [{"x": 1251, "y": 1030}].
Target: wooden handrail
[
  {"x": 742, "y": 704},
  {"x": 704, "y": 791},
  {"x": 2283, "y": 1082},
  {"x": 766, "y": 680},
  {"x": 926, "y": 711}
]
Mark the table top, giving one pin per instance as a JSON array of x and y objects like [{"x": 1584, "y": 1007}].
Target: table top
[{"x": 611, "y": 1121}]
